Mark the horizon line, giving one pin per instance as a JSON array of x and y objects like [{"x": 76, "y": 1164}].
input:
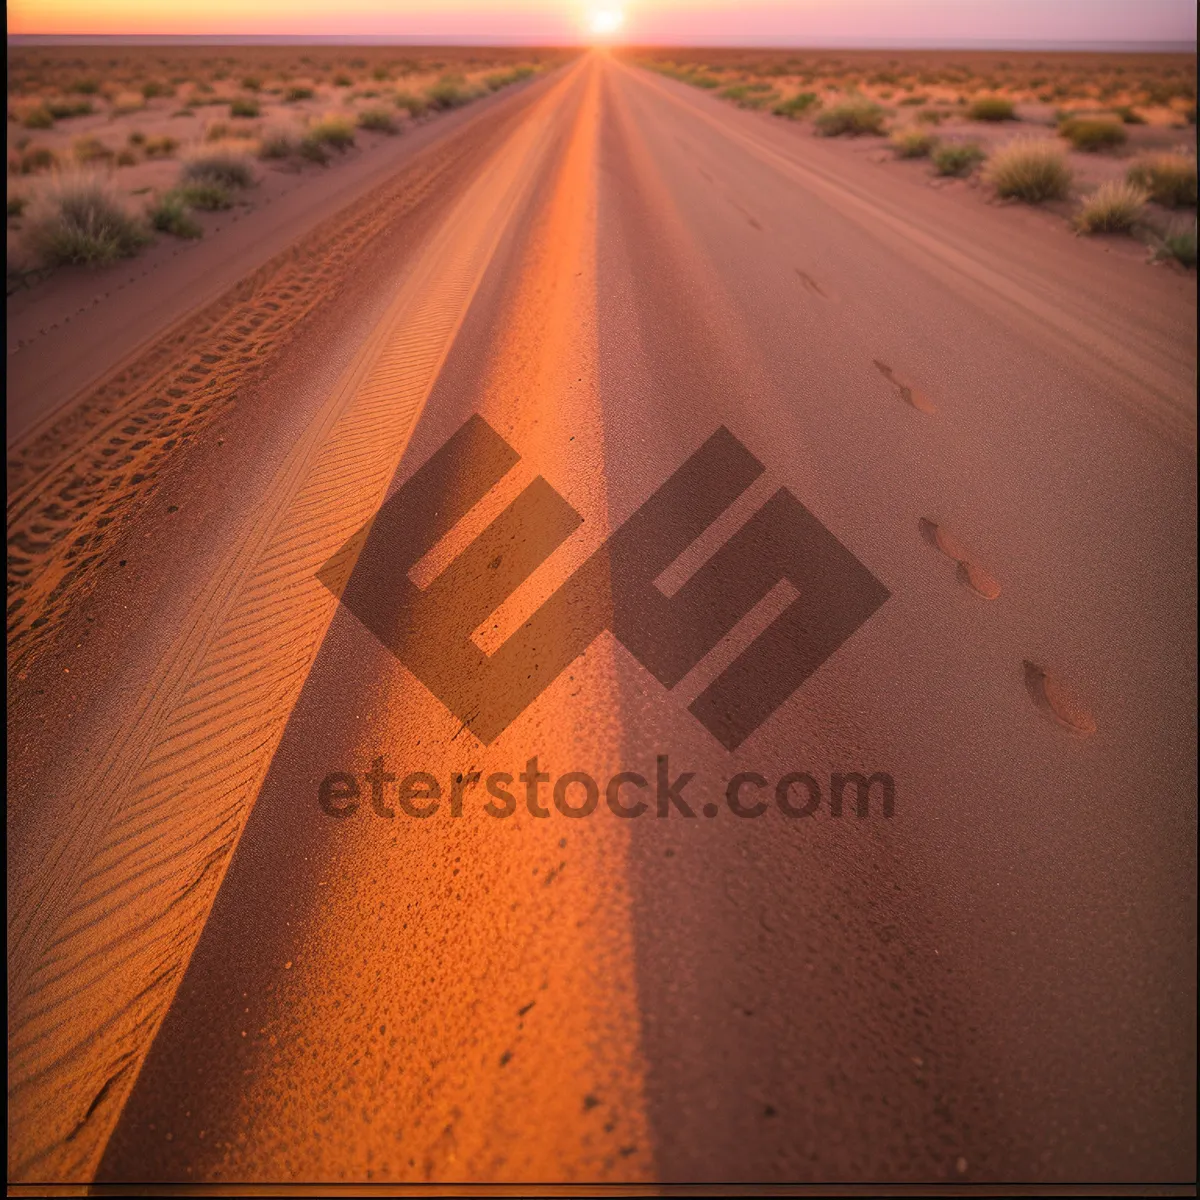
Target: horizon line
[{"x": 697, "y": 41}]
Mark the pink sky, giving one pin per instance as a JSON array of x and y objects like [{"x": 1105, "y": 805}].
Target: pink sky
[{"x": 795, "y": 22}]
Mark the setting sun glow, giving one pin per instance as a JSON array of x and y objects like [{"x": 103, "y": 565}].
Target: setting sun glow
[{"x": 604, "y": 22}]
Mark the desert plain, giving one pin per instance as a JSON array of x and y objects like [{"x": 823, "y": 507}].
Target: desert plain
[{"x": 945, "y": 302}]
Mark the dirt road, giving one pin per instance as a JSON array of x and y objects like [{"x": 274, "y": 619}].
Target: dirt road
[{"x": 214, "y": 977}]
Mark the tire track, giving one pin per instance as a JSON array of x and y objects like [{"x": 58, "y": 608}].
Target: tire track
[{"x": 72, "y": 485}]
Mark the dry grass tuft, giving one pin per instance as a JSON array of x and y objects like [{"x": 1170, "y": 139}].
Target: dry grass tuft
[
  {"x": 38, "y": 117},
  {"x": 913, "y": 143},
  {"x": 378, "y": 120},
  {"x": 169, "y": 214},
  {"x": 1113, "y": 208},
  {"x": 1170, "y": 179},
  {"x": 278, "y": 143},
  {"x": 333, "y": 131},
  {"x": 1029, "y": 170},
  {"x": 851, "y": 118},
  {"x": 80, "y": 219},
  {"x": 1094, "y": 133},
  {"x": 956, "y": 159},
  {"x": 206, "y": 194},
  {"x": 127, "y": 102},
  {"x": 225, "y": 163},
  {"x": 451, "y": 91},
  {"x": 32, "y": 160},
  {"x": 797, "y": 105},
  {"x": 160, "y": 147},
  {"x": 415, "y": 105},
  {"x": 992, "y": 108},
  {"x": 1181, "y": 246},
  {"x": 90, "y": 149}
]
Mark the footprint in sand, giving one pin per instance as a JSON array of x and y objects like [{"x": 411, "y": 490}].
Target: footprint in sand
[
  {"x": 909, "y": 395},
  {"x": 1055, "y": 700},
  {"x": 970, "y": 572},
  {"x": 810, "y": 283}
]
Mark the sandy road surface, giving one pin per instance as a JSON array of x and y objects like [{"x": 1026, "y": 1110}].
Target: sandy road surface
[{"x": 995, "y": 983}]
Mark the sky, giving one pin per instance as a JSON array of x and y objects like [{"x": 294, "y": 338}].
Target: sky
[{"x": 756, "y": 22}]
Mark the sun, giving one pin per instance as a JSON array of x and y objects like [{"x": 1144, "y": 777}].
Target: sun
[{"x": 604, "y": 22}]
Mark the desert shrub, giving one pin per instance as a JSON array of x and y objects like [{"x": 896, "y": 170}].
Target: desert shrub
[
  {"x": 1030, "y": 170},
  {"x": 342, "y": 81},
  {"x": 795, "y": 106},
  {"x": 1113, "y": 208},
  {"x": 244, "y": 106},
  {"x": 1129, "y": 115},
  {"x": 61, "y": 109},
  {"x": 1181, "y": 246},
  {"x": 851, "y": 117},
  {"x": 126, "y": 158},
  {"x": 154, "y": 88},
  {"x": 224, "y": 164},
  {"x": 334, "y": 131},
  {"x": 252, "y": 83},
  {"x": 294, "y": 94},
  {"x": 90, "y": 149},
  {"x": 16, "y": 205},
  {"x": 447, "y": 94},
  {"x": 1093, "y": 133},
  {"x": 914, "y": 100},
  {"x": 913, "y": 143},
  {"x": 36, "y": 158},
  {"x": 169, "y": 214},
  {"x": 206, "y": 194},
  {"x": 749, "y": 95},
  {"x": 37, "y": 118},
  {"x": 137, "y": 138},
  {"x": 313, "y": 149},
  {"x": 85, "y": 87},
  {"x": 127, "y": 102},
  {"x": 930, "y": 116},
  {"x": 379, "y": 74},
  {"x": 414, "y": 104},
  {"x": 79, "y": 219},
  {"x": 1170, "y": 179},
  {"x": 277, "y": 143},
  {"x": 161, "y": 147},
  {"x": 378, "y": 120},
  {"x": 501, "y": 79},
  {"x": 992, "y": 108},
  {"x": 956, "y": 158}
]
